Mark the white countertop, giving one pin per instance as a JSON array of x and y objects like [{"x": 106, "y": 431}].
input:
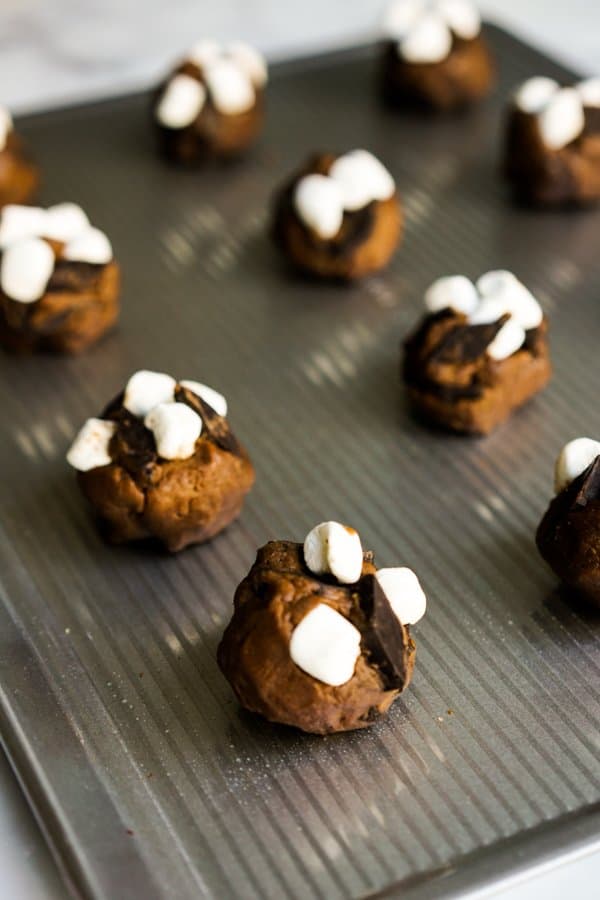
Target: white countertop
[{"x": 58, "y": 52}]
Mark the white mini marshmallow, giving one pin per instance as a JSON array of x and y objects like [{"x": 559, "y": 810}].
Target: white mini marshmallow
[
  {"x": 429, "y": 41},
  {"x": 230, "y": 88},
  {"x": 214, "y": 399},
  {"x": 401, "y": 16},
  {"x": 18, "y": 222},
  {"x": 575, "y": 457},
  {"x": 452, "y": 292},
  {"x": 462, "y": 16},
  {"x": 91, "y": 246},
  {"x": 6, "y": 126},
  {"x": 362, "y": 179},
  {"x": 146, "y": 389},
  {"x": 181, "y": 102},
  {"x": 489, "y": 310},
  {"x": 26, "y": 269},
  {"x": 64, "y": 222},
  {"x": 176, "y": 428},
  {"x": 335, "y": 549},
  {"x": 589, "y": 91},
  {"x": 504, "y": 289},
  {"x": 326, "y": 646},
  {"x": 562, "y": 119},
  {"x": 89, "y": 450},
  {"x": 404, "y": 592},
  {"x": 250, "y": 60},
  {"x": 205, "y": 53},
  {"x": 535, "y": 93},
  {"x": 508, "y": 340},
  {"x": 318, "y": 201}
]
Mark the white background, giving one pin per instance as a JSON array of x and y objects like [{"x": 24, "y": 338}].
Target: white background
[{"x": 57, "y": 51}]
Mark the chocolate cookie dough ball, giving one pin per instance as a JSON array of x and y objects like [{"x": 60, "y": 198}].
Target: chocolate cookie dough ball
[
  {"x": 19, "y": 177},
  {"x": 320, "y": 638},
  {"x": 569, "y": 534},
  {"x": 212, "y": 104},
  {"x": 480, "y": 352},
  {"x": 435, "y": 56},
  {"x": 161, "y": 462},
  {"x": 552, "y": 150},
  {"x": 339, "y": 217},
  {"x": 59, "y": 282}
]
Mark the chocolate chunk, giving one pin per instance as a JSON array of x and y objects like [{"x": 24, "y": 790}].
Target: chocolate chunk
[
  {"x": 568, "y": 535},
  {"x": 216, "y": 426},
  {"x": 588, "y": 484},
  {"x": 592, "y": 120},
  {"x": 70, "y": 276},
  {"x": 384, "y": 637},
  {"x": 466, "y": 343}
]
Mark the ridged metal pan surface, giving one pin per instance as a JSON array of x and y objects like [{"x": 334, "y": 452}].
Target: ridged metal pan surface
[{"x": 147, "y": 778}]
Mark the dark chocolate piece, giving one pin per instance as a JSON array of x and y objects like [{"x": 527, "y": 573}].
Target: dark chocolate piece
[
  {"x": 383, "y": 634},
  {"x": 568, "y": 536}
]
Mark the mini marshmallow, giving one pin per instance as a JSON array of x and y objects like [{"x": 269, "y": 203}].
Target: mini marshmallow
[
  {"x": 214, "y": 399},
  {"x": 18, "y": 222},
  {"x": 230, "y": 88},
  {"x": 508, "y": 340},
  {"x": 362, "y": 179},
  {"x": 26, "y": 269},
  {"x": 326, "y": 646},
  {"x": 90, "y": 449},
  {"x": 176, "y": 428},
  {"x": 145, "y": 390},
  {"x": 504, "y": 289},
  {"x": 205, "y": 53},
  {"x": 64, "y": 222},
  {"x": 429, "y": 41},
  {"x": 250, "y": 60},
  {"x": 589, "y": 91},
  {"x": 336, "y": 549},
  {"x": 6, "y": 126},
  {"x": 462, "y": 17},
  {"x": 181, "y": 102},
  {"x": 562, "y": 119},
  {"x": 489, "y": 310},
  {"x": 535, "y": 93},
  {"x": 91, "y": 246},
  {"x": 452, "y": 292},
  {"x": 401, "y": 16},
  {"x": 575, "y": 457},
  {"x": 404, "y": 592},
  {"x": 318, "y": 201}
]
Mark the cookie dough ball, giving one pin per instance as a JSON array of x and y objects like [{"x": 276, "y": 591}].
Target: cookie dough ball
[
  {"x": 568, "y": 537},
  {"x": 435, "y": 56},
  {"x": 480, "y": 352},
  {"x": 552, "y": 149},
  {"x": 59, "y": 282},
  {"x": 212, "y": 105},
  {"x": 319, "y": 637},
  {"x": 339, "y": 217},
  {"x": 19, "y": 177},
  {"x": 161, "y": 462}
]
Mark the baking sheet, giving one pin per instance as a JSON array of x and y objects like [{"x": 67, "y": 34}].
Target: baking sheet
[{"x": 145, "y": 775}]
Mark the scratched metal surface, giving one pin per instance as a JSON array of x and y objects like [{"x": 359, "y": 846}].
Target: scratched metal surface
[{"x": 144, "y": 774}]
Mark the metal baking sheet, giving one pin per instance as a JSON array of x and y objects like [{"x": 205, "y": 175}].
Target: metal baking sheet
[{"x": 145, "y": 775}]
